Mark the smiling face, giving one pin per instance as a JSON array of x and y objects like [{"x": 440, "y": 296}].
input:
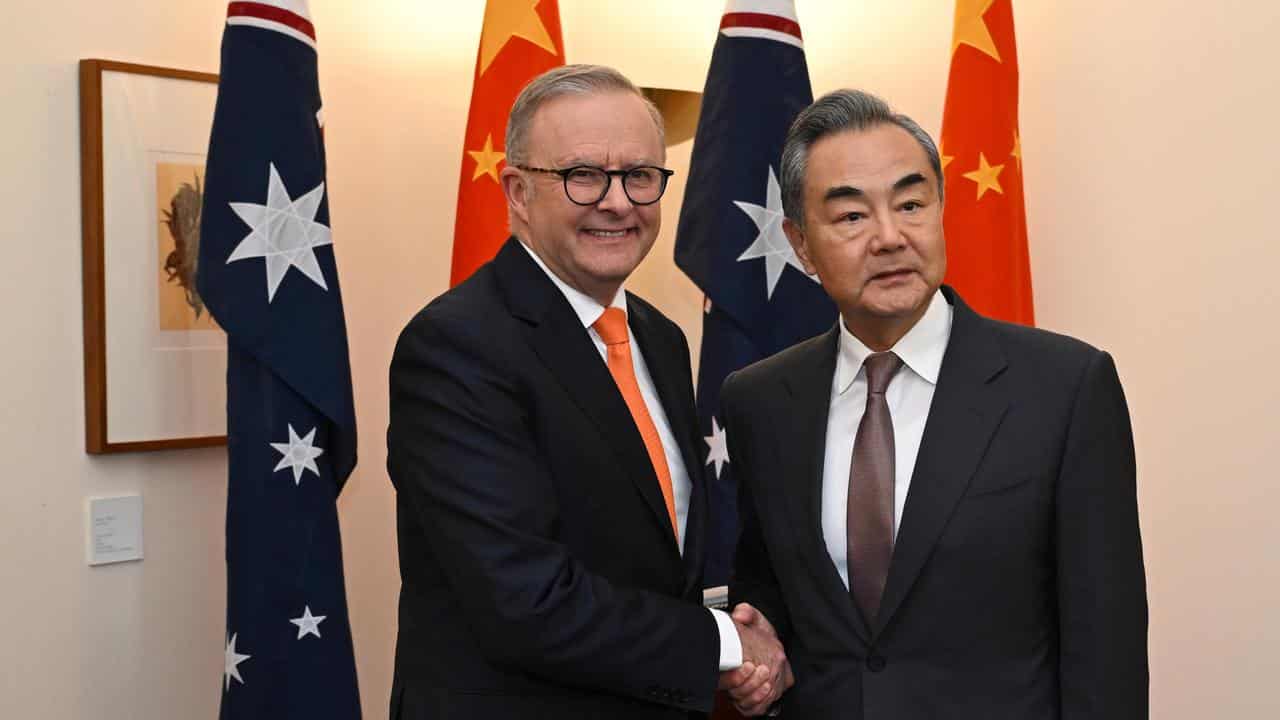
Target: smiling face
[
  {"x": 872, "y": 229},
  {"x": 594, "y": 247}
]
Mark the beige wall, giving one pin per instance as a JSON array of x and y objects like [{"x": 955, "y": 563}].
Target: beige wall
[{"x": 1147, "y": 129}]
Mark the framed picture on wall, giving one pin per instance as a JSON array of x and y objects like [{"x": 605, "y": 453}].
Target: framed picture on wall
[{"x": 154, "y": 359}]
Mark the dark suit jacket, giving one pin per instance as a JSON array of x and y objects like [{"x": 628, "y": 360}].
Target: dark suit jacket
[
  {"x": 540, "y": 577},
  {"x": 1016, "y": 589}
]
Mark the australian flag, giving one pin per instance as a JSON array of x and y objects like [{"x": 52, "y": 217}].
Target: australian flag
[
  {"x": 730, "y": 240},
  {"x": 267, "y": 274}
]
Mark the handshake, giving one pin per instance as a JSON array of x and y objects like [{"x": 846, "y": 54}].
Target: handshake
[{"x": 765, "y": 673}]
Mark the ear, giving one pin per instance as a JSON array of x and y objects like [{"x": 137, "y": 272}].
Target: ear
[
  {"x": 516, "y": 188},
  {"x": 799, "y": 243}
]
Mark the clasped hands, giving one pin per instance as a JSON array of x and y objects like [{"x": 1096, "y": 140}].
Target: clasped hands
[{"x": 765, "y": 673}]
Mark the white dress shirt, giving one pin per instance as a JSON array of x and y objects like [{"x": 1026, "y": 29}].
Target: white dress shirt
[
  {"x": 909, "y": 395},
  {"x": 589, "y": 311}
]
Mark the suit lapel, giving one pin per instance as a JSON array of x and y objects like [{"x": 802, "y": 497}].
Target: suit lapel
[
  {"x": 565, "y": 348},
  {"x": 663, "y": 361},
  {"x": 807, "y": 406},
  {"x": 966, "y": 410}
]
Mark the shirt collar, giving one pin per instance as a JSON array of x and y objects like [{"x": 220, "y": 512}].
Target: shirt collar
[
  {"x": 921, "y": 349},
  {"x": 584, "y": 306}
]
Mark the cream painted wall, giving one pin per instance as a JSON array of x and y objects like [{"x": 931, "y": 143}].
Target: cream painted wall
[{"x": 1148, "y": 189}]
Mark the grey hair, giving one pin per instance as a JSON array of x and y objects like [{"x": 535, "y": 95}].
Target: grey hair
[
  {"x": 832, "y": 113},
  {"x": 566, "y": 80}
]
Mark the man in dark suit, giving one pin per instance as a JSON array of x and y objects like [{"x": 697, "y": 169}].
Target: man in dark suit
[
  {"x": 542, "y": 443},
  {"x": 938, "y": 509}
]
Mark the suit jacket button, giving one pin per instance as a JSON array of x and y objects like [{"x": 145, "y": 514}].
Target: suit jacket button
[{"x": 875, "y": 663}]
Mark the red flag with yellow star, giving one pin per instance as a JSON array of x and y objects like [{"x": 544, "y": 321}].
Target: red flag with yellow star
[
  {"x": 520, "y": 40},
  {"x": 984, "y": 216}
]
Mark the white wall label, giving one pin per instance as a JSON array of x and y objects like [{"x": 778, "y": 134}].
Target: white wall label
[{"x": 115, "y": 529}]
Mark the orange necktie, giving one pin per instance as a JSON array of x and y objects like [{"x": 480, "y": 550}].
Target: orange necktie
[{"x": 612, "y": 327}]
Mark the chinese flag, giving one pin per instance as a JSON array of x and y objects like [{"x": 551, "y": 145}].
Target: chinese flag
[
  {"x": 520, "y": 40},
  {"x": 985, "y": 220}
]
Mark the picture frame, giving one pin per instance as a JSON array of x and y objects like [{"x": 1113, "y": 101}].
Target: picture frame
[{"x": 154, "y": 361}]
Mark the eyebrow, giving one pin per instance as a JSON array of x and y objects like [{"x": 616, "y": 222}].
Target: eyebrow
[
  {"x": 842, "y": 191},
  {"x": 847, "y": 191},
  {"x": 576, "y": 160},
  {"x": 908, "y": 181}
]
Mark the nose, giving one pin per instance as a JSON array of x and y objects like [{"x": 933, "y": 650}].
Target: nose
[
  {"x": 615, "y": 199},
  {"x": 888, "y": 234}
]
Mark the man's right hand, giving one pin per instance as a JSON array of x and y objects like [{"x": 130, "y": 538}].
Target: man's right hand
[{"x": 765, "y": 673}]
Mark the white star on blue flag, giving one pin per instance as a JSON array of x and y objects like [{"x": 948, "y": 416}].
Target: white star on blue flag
[
  {"x": 284, "y": 232},
  {"x": 771, "y": 243}
]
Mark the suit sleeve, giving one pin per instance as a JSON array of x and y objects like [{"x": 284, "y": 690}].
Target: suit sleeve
[
  {"x": 753, "y": 579},
  {"x": 1102, "y": 602},
  {"x": 462, "y": 450}
]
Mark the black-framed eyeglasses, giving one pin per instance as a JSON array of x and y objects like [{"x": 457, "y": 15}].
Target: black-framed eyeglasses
[{"x": 587, "y": 185}]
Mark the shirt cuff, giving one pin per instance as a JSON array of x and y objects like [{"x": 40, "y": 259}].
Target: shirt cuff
[{"x": 730, "y": 643}]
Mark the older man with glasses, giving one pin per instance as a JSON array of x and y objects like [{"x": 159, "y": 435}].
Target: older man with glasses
[{"x": 550, "y": 502}]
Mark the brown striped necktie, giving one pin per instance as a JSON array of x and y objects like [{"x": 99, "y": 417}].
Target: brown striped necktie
[{"x": 869, "y": 515}]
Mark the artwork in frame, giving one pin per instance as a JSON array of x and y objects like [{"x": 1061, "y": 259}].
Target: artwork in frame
[{"x": 154, "y": 359}]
